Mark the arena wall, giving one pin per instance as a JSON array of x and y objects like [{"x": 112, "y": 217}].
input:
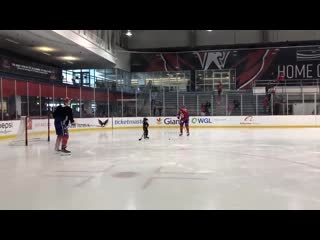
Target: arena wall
[{"x": 9, "y": 129}]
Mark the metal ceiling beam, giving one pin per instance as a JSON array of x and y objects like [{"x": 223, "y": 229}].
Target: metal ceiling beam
[
  {"x": 264, "y": 36},
  {"x": 192, "y": 38}
]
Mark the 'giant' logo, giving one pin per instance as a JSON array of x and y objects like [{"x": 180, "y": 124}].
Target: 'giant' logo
[{"x": 171, "y": 121}]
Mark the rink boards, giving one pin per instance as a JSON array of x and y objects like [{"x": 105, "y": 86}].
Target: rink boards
[{"x": 9, "y": 129}]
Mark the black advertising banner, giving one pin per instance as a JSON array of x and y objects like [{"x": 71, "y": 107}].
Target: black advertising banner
[
  {"x": 22, "y": 67},
  {"x": 295, "y": 63}
]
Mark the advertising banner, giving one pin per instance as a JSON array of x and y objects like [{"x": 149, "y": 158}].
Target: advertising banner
[
  {"x": 11, "y": 128},
  {"x": 26, "y": 68},
  {"x": 87, "y": 123},
  {"x": 294, "y": 63},
  {"x": 8, "y": 128},
  {"x": 129, "y": 122}
]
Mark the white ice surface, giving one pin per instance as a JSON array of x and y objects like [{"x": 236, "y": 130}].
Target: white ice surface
[{"x": 211, "y": 169}]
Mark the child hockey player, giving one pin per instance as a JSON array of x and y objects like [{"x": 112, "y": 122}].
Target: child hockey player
[{"x": 145, "y": 128}]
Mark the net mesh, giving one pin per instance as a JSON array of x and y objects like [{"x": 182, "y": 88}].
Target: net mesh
[{"x": 37, "y": 130}]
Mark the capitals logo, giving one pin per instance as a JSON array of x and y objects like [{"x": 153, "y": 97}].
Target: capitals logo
[
  {"x": 249, "y": 120},
  {"x": 159, "y": 121},
  {"x": 219, "y": 58},
  {"x": 103, "y": 123}
]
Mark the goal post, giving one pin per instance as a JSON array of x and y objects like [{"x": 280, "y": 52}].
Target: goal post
[{"x": 32, "y": 129}]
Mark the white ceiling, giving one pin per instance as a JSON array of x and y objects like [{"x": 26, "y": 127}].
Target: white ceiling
[{"x": 28, "y": 39}]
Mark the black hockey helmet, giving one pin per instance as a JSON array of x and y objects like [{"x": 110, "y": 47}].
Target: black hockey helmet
[{"x": 145, "y": 119}]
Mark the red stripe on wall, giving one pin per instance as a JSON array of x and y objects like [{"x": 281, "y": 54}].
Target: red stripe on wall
[
  {"x": 8, "y": 88},
  {"x": 59, "y": 91}
]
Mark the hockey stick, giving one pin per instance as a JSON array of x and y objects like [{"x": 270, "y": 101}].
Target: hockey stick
[{"x": 141, "y": 137}]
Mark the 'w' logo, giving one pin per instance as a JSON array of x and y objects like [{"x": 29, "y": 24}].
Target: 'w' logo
[{"x": 219, "y": 58}]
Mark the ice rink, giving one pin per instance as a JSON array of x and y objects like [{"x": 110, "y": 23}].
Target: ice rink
[{"x": 211, "y": 169}]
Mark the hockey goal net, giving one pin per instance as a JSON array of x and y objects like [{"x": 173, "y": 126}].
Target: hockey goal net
[{"x": 32, "y": 129}]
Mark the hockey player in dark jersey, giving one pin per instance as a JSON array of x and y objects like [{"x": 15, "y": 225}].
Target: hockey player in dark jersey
[
  {"x": 183, "y": 115},
  {"x": 145, "y": 128},
  {"x": 62, "y": 116}
]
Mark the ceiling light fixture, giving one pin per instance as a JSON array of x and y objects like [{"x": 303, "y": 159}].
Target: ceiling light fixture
[
  {"x": 48, "y": 54},
  {"x": 44, "y": 49},
  {"x": 12, "y": 41},
  {"x": 69, "y": 58},
  {"x": 129, "y": 33},
  {"x": 209, "y": 30}
]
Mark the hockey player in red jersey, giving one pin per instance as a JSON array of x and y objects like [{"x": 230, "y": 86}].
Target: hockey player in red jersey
[{"x": 183, "y": 115}]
